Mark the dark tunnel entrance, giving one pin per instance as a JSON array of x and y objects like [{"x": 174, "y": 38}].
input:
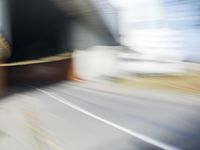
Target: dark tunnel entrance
[
  {"x": 38, "y": 29},
  {"x": 42, "y": 28}
]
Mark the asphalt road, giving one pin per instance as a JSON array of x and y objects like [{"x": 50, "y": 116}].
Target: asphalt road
[{"x": 75, "y": 116}]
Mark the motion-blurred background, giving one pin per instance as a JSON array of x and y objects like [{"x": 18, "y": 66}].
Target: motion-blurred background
[{"x": 99, "y": 74}]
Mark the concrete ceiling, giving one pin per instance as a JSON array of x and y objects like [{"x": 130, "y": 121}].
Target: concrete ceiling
[
  {"x": 30, "y": 18},
  {"x": 83, "y": 10}
]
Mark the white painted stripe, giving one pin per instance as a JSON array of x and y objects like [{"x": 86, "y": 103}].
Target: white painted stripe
[{"x": 132, "y": 133}]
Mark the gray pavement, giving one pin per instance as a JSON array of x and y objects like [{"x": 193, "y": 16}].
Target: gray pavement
[{"x": 35, "y": 119}]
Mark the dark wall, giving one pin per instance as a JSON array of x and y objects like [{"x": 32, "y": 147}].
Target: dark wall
[{"x": 37, "y": 28}]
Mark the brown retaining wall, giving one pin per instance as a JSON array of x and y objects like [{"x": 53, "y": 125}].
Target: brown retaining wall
[
  {"x": 3, "y": 79},
  {"x": 49, "y": 71}
]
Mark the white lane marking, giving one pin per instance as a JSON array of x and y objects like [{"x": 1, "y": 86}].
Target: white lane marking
[{"x": 132, "y": 133}]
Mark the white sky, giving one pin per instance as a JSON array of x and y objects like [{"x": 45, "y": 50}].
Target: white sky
[
  {"x": 147, "y": 41},
  {"x": 137, "y": 10}
]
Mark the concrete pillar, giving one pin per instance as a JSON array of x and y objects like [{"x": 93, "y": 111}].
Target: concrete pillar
[
  {"x": 5, "y": 39},
  {"x": 70, "y": 76}
]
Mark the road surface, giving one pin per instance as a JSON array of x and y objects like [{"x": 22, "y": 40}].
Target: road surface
[{"x": 76, "y": 116}]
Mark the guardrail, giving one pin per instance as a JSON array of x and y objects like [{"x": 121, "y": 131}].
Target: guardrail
[{"x": 58, "y": 57}]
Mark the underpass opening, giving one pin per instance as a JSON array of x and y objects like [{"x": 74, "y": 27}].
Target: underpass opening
[{"x": 39, "y": 30}]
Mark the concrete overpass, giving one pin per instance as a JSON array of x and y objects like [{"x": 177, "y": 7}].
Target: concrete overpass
[{"x": 35, "y": 29}]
